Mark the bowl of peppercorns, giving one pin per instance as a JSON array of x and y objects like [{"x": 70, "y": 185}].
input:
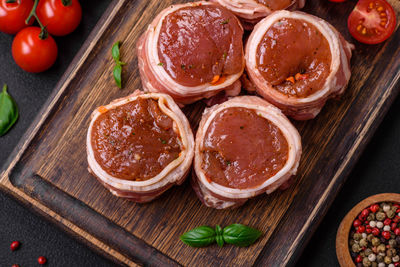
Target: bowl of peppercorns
[{"x": 369, "y": 234}]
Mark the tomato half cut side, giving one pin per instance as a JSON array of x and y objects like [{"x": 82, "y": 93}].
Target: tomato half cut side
[{"x": 372, "y": 21}]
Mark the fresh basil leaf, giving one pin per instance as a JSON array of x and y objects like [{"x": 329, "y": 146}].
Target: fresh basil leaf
[
  {"x": 199, "y": 237},
  {"x": 240, "y": 235},
  {"x": 219, "y": 238},
  {"x": 115, "y": 51},
  {"x": 117, "y": 75},
  {"x": 8, "y": 111}
]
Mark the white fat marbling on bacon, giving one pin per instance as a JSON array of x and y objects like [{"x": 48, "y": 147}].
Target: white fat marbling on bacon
[
  {"x": 251, "y": 12},
  {"x": 173, "y": 173},
  {"x": 221, "y": 197},
  {"x": 156, "y": 79},
  {"x": 339, "y": 76}
]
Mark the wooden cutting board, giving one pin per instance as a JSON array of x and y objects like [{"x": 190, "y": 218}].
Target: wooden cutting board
[{"x": 48, "y": 170}]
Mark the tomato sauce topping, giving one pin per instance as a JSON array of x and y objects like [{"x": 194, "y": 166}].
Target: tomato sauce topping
[
  {"x": 275, "y": 4},
  {"x": 135, "y": 141},
  {"x": 200, "y": 44},
  {"x": 243, "y": 149},
  {"x": 294, "y": 57}
]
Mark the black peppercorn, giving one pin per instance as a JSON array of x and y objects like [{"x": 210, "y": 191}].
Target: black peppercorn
[
  {"x": 380, "y": 216},
  {"x": 379, "y": 258},
  {"x": 390, "y": 214},
  {"x": 392, "y": 243}
]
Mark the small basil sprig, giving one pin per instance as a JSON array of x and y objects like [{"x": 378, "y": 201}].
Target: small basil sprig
[
  {"x": 235, "y": 234},
  {"x": 8, "y": 111},
  {"x": 117, "y": 72},
  {"x": 199, "y": 237}
]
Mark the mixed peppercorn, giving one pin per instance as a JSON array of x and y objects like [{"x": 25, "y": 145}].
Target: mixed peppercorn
[
  {"x": 16, "y": 244},
  {"x": 375, "y": 236}
]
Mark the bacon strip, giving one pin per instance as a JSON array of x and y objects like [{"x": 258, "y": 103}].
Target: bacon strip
[
  {"x": 221, "y": 197},
  {"x": 156, "y": 79},
  {"x": 336, "y": 83},
  {"x": 174, "y": 173},
  {"x": 251, "y": 12}
]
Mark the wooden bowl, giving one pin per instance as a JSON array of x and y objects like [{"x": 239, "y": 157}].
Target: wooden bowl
[{"x": 342, "y": 237}]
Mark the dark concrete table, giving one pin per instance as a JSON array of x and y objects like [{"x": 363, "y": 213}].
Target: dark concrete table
[{"x": 377, "y": 171}]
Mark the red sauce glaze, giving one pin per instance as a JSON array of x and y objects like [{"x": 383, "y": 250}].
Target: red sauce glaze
[
  {"x": 199, "y": 42},
  {"x": 275, "y": 4},
  {"x": 135, "y": 141},
  {"x": 243, "y": 149},
  {"x": 292, "y": 46}
]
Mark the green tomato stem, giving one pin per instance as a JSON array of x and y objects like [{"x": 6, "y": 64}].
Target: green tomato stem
[
  {"x": 66, "y": 2},
  {"x": 43, "y": 33}
]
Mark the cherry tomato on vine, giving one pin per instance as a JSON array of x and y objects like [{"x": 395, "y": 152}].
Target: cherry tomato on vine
[
  {"x": 32, "y": 53},
  {"x": 61, "y": 17},
  {"x": 14, "y": 14},
  {"x": 372, "y": 21}
]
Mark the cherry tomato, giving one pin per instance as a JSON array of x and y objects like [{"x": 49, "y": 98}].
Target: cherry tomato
[
  {"x": 31, "y": 53},
  {"x": 61, "y": 17},
  {"x": 13, "y": 15},
  {"x": 372, "y": 21}
]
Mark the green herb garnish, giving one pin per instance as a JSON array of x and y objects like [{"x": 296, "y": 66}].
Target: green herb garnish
[
  {"x": 8, "y": 111},
  {"x": 183, "y": 67},
  {"x": 160, "y": 64},
  {"x": 235, "y": 234},
  {"x": 224, "y": 55},
  {"x": 117, "y": 72},
  {"x": 163, "y": 141},
  {"x": 225, "y": 22},
  {"x": 242, "y": 127}
]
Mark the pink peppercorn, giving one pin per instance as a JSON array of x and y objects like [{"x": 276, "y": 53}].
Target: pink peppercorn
[
  {"x": 15, "y": 245},
  {"x": 386, "y": 234},
  {"x": 361, "y": 229},
  {"x": 365, "y": 213},
  {"x": 357, "y": 223},
  {"x": 374, "y": 208},
  {"x": 42, "y": 260},
  {"x": 376, "y": 231},
  {"x": 397, "y": 231}
]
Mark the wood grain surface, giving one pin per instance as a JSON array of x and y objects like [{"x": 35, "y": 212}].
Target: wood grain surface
[{"x": 48, "y": 170}]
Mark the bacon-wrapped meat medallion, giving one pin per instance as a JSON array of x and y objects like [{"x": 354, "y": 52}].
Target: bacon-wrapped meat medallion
[
  {"x": 244, "y": 147},
  {"x": 192, "y": 51},
  {"x": 297, "y": 61},
  {"x": 140, "y": 145},
  {"x": 252, "y": 11}
]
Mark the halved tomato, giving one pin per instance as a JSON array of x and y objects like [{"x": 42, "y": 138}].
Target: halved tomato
[{"x": 372, "y": 21}]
